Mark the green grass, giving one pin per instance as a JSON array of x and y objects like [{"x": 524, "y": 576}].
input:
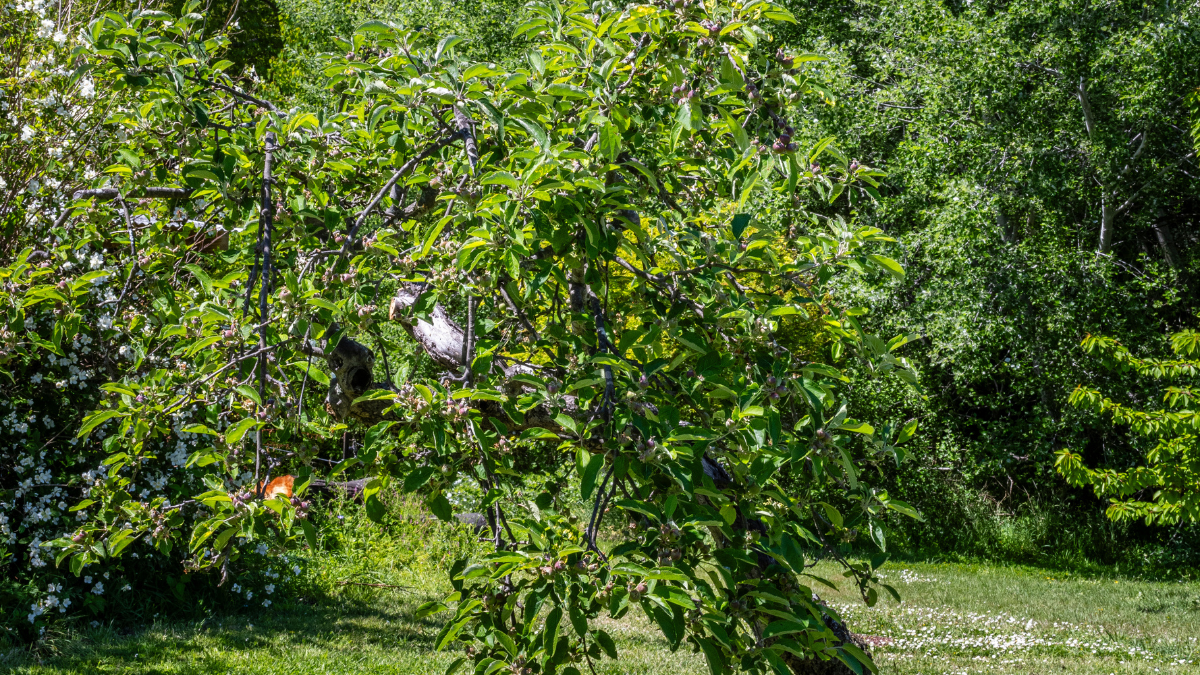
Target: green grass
[
  {"x": 955, "y": 618},
  {"x": 958, "y": 618},
  {"x": 352, "y": 629}
]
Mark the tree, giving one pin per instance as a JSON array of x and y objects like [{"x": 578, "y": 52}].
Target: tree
[
  {"x": 603, "y": 254},
  {"x": 1167, "y": 489},
  {"x": 992, "y": 190}
]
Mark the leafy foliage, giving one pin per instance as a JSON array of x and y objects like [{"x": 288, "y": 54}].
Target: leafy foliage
[
  {"x": 1167, "y": 489},
  {"x": 619, "y": 219},
  {"x": 994, "y": 191}
]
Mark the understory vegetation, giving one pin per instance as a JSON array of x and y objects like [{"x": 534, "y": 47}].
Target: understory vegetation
[{"x": 352, "y": 609}]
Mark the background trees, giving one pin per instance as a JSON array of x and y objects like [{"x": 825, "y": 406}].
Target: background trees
[{"x": 1030, "y": 211}]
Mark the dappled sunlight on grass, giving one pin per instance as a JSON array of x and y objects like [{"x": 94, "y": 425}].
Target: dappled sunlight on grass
[{"x": 981, "y": 619}]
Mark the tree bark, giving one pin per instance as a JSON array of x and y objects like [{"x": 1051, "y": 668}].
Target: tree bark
[
  {"x": 1167, "y": 243},
  {"x": 1108, "y": 217}
]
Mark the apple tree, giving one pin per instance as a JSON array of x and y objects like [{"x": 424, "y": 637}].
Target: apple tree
[{"x": 615, "y": 266}]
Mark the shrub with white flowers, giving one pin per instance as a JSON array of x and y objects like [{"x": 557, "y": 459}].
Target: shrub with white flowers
[{"x": 69, "y": 285}]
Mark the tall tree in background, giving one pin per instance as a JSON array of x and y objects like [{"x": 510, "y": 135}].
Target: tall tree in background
[{"x": 1043, "y": 183}]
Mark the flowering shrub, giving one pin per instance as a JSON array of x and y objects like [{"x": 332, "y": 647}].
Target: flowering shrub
[
  {"x": 606, "y": 253},
  {"x": 67, "y": 290}
]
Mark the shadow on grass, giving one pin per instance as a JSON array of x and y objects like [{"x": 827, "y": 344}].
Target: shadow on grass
[{"x": 349, "y": 625}]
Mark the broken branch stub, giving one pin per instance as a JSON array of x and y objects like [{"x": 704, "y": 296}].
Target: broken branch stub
[{"x": 352, "y": 367}]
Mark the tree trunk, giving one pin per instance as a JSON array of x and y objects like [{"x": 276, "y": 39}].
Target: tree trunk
[
  {"x": 1108, "y": 217},
  {"x": 1167, "y": 243}
]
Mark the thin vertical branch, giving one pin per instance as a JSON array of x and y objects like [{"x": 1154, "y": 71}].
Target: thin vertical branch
[{"x": 266, "y": 221}]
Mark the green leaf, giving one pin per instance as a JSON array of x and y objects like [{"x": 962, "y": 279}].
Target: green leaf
[
  {"x": 429, "y": 609},
  {"x": 832, "y": 514},
  {"x": 901, "y": 340},
  {"x": 373, "y": 26},
  {"x": 249, "y": 392},
  {"x": 858, "y": 427},
  {"x": 501, "y": 178},
  {"x": 417, "y": 478},
  {"x": 905, "y": 508},
  {"x": 587, "y": 480},
  {"x": 96, "y": 419},
  {"x": 606, "y": 643},
  {"x": 714, "y": 655},
  {"x": 536, "y": 132},
  {"x": 201, "y": 276},
  {"x": 450, "y": 632},
  {"x": 740, "y": 221},
  {"x": 553, "y": 619},
  {"x": 313, "y": 372},
  {"x": 237, "y": 431},
  {"x": 610, "y": 141},
  {"x": 887, "y": 264},
  {"x": 431, "y": 239},
  {"x": 567, "y": 91},
  {"x": 440, "y": 507},
  {"x": 729, "y": 514},
  {"x": 375, "y": 509}
]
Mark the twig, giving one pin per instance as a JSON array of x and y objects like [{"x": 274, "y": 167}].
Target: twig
[
  {"x": 400, "y": 173},
  {"x": 512, "y": 306},
  {"x": 242, "y": 95},
  {"x": 266, "y": 224}
]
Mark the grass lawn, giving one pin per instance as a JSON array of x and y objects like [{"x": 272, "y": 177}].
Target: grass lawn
[
  {"x": 991, "y": 619},
  {"x": 351, "y": 629},
  {"x": 955, "y": 619}
]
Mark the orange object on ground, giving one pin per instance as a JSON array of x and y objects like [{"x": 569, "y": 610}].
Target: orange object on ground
[{"x": 281, "y": 486}]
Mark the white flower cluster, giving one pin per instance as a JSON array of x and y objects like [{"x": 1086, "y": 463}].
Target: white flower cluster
[
  {"x": 910, "y": 577},
  {"x": 32, "y": 6}
]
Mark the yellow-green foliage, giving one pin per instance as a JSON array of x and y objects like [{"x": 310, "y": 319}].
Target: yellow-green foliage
[{"x": 1171, "y": 477}]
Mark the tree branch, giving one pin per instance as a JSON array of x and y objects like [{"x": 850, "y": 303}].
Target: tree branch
[{"x": 242, "y": 95}]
